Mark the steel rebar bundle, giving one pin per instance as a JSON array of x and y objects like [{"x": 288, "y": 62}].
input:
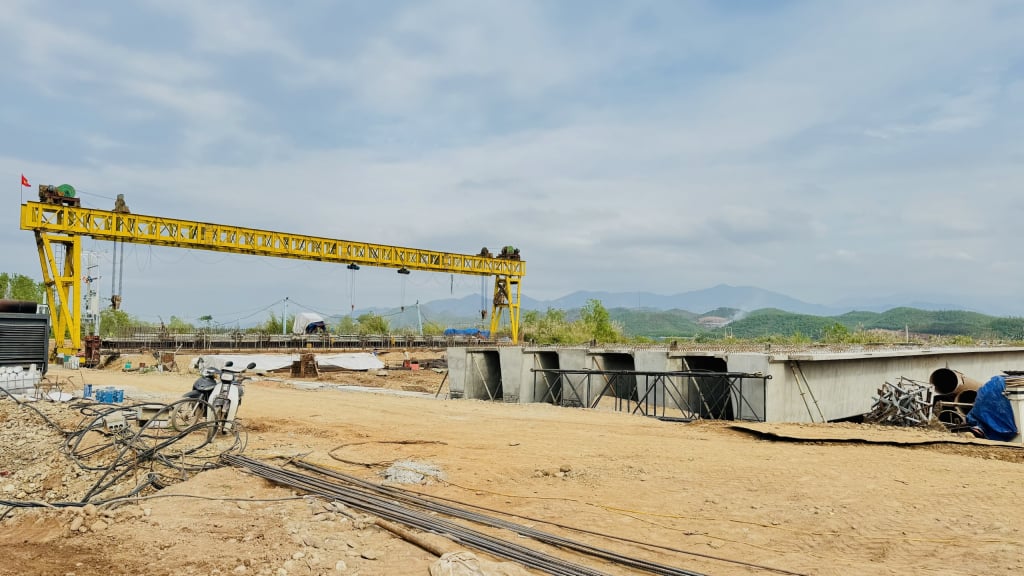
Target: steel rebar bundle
[
  {"x": 421, "y": 513},
  {"x": 456, "y": 512}
]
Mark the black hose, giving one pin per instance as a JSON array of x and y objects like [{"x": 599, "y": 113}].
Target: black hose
[{"x": 116, "y": 454}]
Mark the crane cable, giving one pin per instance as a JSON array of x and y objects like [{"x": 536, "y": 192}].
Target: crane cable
[
  {"x": 483, "y": 297},
  {"x": 402, "y": 299},
  {"x": 120, "y": 272},
  {"x": 117, "y": 275},
  {"x": 351, "y": 290}
]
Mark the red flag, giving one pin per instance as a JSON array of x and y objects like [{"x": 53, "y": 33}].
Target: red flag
[{"x": 24, "y": 182}]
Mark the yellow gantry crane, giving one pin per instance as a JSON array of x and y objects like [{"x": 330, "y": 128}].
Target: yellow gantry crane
[{"x": 59, "y": 228}]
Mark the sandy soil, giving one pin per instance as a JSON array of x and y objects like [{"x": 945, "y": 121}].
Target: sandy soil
[
  {"x": 393, "y": 377},
  {"x": 823, "y": 508}
]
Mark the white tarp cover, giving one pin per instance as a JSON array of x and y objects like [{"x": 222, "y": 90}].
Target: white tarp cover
[
  {"x": 264, "y": 362},
  {"x": 351, "y": 361},
  {"x": 303, "y": 319},
  {"x": 268, "y": 362}
]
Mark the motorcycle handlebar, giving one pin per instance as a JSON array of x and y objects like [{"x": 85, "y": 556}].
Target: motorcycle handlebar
[{"x": 229, "y": 364}]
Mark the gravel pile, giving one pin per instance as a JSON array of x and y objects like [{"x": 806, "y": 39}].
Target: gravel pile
[{"x": 32, "y": 466}]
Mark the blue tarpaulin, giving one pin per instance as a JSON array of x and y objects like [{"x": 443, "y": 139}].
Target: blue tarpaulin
[
  {"x": 467, "y": 332},
  {"x": 314, "y": 327},
  {"x": 992, "y": 411}
]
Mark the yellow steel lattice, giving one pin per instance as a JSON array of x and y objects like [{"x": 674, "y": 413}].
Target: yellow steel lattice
[
  {"x": 52, "y": 222},
  {"x": 142, "y": 229}
]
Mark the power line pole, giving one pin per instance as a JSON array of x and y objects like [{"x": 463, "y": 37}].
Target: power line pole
[
  {"x": 419, "y": 317},
  {"x": 284, "y": 316}
]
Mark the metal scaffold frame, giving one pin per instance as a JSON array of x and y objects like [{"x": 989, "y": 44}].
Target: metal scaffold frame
[
  {"x": 64, "y": 226},
  {"x": 690, "y": 395}
]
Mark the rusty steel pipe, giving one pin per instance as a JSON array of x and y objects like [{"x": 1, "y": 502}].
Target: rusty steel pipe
[
  {"x": 952, "y": 382},
  {"x": 967, "y": 397}
]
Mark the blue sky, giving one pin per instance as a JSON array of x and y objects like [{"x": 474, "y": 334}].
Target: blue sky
[{"x": 833, "y": 151}]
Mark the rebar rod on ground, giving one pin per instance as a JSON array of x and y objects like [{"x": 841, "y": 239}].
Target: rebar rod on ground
[
  {"x": 539, "y": 535},
  {"x": 397, "y": 506},
  {"x": 415, "y": 519}
]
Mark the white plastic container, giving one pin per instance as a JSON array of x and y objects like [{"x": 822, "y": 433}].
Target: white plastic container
[{"x": 1016, "y": 396}]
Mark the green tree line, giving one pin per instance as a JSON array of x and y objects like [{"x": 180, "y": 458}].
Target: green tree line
[
  {"x": 116, "y": 321},
  {"x": 594, "y": 323},
  {"x": 20, "y": 287},
  {"x": 856, "y": 327}
]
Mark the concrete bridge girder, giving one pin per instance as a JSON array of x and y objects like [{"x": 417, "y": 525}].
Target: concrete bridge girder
[{"x": 804, "y": 387}]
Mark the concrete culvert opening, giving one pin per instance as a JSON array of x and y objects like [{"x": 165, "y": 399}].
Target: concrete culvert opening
[
  {"x": 548, "y": 387},
  {"x": 623, "y": 387},
  {"x": 483, "y": 375},
  {"x": 709, "y": 396}
]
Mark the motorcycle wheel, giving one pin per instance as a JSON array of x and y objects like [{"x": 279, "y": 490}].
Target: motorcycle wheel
[{"x": 185, "y": 415}]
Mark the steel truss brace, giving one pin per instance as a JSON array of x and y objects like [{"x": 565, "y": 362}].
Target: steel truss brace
[{"x": 689, "y": 395}]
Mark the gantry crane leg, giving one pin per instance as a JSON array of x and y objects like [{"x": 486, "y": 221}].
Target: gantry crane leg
[
  {"x": 506, "y": 296},
  {"x": 60, "y": 277}
]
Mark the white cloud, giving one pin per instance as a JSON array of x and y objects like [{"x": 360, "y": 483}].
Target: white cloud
[
  {"x": 127, "y": 83},
  {"x": 839, "y": 255},
  {"x": 431, "y": 51},
  {"x": 950, "y": 115},
  {"x": 702, "y": 147},
  {"x": 229, "y": 27},
  {"x": 54, "y": 52}
]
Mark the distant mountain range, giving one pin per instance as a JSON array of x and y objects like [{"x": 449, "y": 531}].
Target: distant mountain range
[
  {"x": 722, "y": 296},
  {"x": 466, "y": 310}
]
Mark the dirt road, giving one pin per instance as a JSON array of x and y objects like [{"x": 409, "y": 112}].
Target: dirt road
[{"x": 810, "y": 508}]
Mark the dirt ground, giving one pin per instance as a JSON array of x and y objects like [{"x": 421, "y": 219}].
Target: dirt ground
[
  {"x": 393, "y": 377},
  {"x": 821, "y": 507}
]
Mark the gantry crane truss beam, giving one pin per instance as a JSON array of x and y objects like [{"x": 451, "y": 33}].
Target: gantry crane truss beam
[{"x": 57, "y": 225}]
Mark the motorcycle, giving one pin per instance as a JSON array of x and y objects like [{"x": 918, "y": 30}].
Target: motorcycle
[{"x": 215, "y": 396}]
